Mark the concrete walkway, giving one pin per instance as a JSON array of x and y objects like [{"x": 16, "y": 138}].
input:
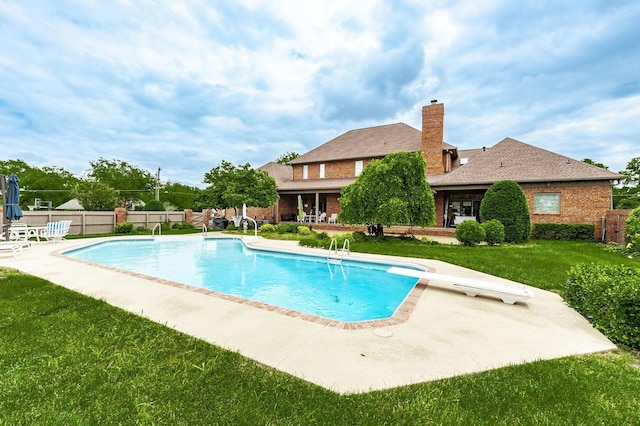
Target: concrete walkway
[{"x": 447, "y": 334}]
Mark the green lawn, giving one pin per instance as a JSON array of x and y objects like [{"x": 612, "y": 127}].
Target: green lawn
[{"x": 69, "y": 359}]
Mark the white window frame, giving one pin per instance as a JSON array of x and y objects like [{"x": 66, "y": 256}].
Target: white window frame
[
  {"x": 305, "y": 171},
  {"x": 546, "y": 203},
  {"x": 359, "y": 165},
  {"x": 321, "y": 172}
]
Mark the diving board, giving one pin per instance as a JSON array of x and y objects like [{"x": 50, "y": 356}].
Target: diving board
[{"x": 507, "y": 293}]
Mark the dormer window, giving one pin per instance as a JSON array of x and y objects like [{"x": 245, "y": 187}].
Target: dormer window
[{"x": 358, "y": 166}]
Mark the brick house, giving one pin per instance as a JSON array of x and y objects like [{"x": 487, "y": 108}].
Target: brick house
[{"x": 558, "y": 189}]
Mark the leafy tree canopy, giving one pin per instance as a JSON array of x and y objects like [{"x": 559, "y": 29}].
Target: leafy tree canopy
[
  {"x": 594, "y": 163},
  {"x": 179, "y": 195},
  {"x": 391, "y": 191},
  {"x": 627, "y": 195},
  {"x": 286, "y": 157},
  {"x": 96, "y": 196},
  {"x": 49, "y": 183},
  {"x": 233, "y": 186},
  {"x": 130, "y": 181}
]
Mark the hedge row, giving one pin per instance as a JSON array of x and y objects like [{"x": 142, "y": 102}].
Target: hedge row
[
  {"x": 564, "y": 231},
  {"x": 609, "y": 297}
]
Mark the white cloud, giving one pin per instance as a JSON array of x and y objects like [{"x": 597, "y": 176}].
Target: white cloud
[{"x": 184, "y": 85}]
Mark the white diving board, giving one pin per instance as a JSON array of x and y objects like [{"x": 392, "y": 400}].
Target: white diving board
[{"x": 472, "y": 287}]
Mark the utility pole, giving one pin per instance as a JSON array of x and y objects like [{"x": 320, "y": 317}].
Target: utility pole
[{"x": 158, "y": 185}]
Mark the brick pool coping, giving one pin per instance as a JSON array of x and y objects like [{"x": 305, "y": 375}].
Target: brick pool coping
[{"x": 401, "y": 315}]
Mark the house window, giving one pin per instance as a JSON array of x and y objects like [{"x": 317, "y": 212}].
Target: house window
[
  {"x": 546, "y": 202},
  {"x": 359, "y": 165},
  {"x": 321, "y": 170},
  {"x": 305, "y": 171}
]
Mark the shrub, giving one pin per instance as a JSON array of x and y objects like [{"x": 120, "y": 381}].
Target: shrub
[
  {"x": 564, "y": 231},
  {"x": 609, "y": 297},
  {"x": 282, "y": 228},
  {"x": 153, "y": 206},
  {"x": 470, "y": 233},
  {"x": 231, "y": 226},
  {"x": 267, "y": 228},
  {"x": 505, "y": 201},
  {"x": 359, "y": 236},
  {"x": 494, "y": 231},
  {"x": 123, "y": 228},
  {"x": 303, "y": 230},
  {"x": 632, "y": 233}
]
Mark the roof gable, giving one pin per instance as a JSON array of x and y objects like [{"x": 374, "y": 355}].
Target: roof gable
[{"x": 518, "y": 161}]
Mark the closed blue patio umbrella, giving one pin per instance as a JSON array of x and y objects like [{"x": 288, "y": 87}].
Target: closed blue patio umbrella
[{"x": 12, "y": 206}]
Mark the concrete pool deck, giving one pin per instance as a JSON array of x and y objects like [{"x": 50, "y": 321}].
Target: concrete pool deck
[{"x": 446, "y": 334}]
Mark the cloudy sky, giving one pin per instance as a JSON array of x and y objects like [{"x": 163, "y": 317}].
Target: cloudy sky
[{"x": 184, "y": 85}]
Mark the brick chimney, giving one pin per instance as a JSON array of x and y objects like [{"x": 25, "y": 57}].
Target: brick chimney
[{"x": 432, "y": 137}]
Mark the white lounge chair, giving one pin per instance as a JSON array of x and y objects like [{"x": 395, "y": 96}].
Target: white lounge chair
[
  {"x": 472, "y": 287},
  {"x": 333, "y": 218},
  {"x": 10, "y": 245}
]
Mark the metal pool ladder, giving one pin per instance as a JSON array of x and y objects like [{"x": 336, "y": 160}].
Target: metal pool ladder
[
  {"x": 153, "y": 231},
  {"x": 333, "y": 250}
]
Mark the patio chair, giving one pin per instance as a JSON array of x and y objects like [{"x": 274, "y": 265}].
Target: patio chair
[
  {"x": 56, "y": 231},
  {"x": 322, "y": 217},
  {"x": 302, "y": 218},
  {"x": 333, "y": 218},
  {"x": 19, "y": 234}
]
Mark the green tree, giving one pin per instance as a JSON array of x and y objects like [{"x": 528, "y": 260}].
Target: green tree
[
  {"x": 49, "y": 183},
  {"x": 232, "y": 186},
  {"x": 594, "y": 163},
  {"x": 391, "y": 191},
  {"x": 506, "y": 202},
  {"x": 130, "y": 181},
  {"x": 179, "y": 195},
  {"x": 627, "y": 195},
  {"x": 153, "y": 206},
  {"x": 96, "y": 196},
  {"x": 286, "y": 157}
]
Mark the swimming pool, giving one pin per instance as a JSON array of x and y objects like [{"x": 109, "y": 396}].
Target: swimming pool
[{"x": 349, "y": 291}]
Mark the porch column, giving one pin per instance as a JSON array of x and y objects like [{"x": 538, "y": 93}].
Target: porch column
[{"x": 317, "y": 206}]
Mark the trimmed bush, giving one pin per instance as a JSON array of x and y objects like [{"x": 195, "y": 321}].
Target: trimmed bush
[
  {"x": 470, "y": 233},
  {"x": 564, "y": 231},
  {"x": 494, "y": 232},
  {"x": 267, "y": 227},
  {"x": 506, "y": 202},
  {"x": 123, "y": 228},
  {"x": 303, "y": 230},
  {"x": 183, "y": 225},
  {"x": 282, "y": 228},
  {"x": 609, "y": 297},
  {"x": 153, "y": 206}
]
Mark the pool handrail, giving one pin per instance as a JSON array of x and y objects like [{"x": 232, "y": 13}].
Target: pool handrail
[{"x": 153, "y": 231}]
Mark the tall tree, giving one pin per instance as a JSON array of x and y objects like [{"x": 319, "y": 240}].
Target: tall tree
[
  {"x": 232, "y": 186},
  {"x": 50, "y": 183},
  {"x": 179, "y": 195},
  {"x": 628, "y": 194},
  {"x": 130, "y": 181},
  {"x": 391, "y": 191},
  {"x": 96, "y": 196}
]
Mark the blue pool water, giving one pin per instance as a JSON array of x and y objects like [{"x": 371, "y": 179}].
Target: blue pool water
[{"x": 351, "y": 291}]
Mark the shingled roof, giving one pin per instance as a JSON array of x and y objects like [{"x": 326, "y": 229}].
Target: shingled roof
[
  {"x": 371, "y": 142},
  {"x": 518, "y": 161}
]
